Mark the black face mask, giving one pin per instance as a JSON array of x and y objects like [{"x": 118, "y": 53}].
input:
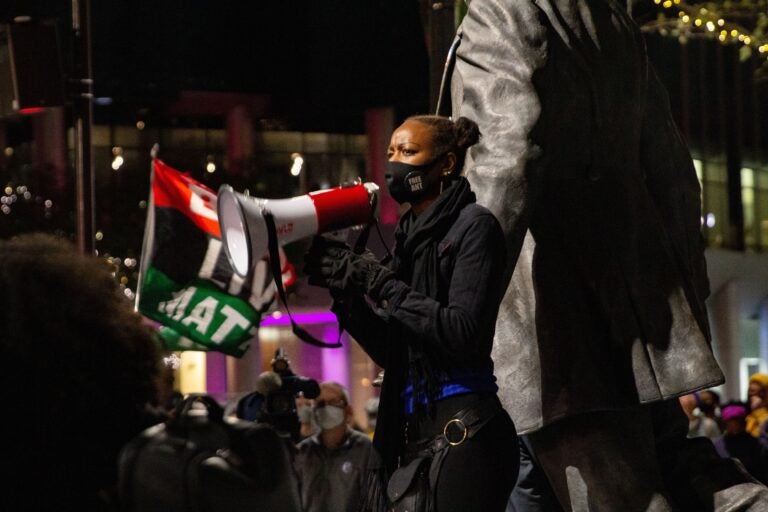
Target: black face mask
[{"x": 408, "y": 183}]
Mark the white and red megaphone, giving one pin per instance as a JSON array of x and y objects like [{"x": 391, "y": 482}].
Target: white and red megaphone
[{"x": 244, "y": 231}]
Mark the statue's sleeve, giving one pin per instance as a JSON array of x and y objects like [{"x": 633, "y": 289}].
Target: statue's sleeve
[
  {"x": 672, "y": 183},
  {"x": 502, "y": 49}
]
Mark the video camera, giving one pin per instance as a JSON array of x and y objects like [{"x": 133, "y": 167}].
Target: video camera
[{"x": 274, "y": 401}]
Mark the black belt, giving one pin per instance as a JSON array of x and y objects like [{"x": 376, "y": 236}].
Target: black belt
[
  {"x": 467, "y": 422},
  {"x": 461, "y": 426}
]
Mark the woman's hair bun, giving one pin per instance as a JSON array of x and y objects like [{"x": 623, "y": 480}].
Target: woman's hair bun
[{"x": 467, "y": 132}]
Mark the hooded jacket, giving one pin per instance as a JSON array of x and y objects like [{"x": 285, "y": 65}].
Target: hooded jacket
[{"x": 448, "y": 318}]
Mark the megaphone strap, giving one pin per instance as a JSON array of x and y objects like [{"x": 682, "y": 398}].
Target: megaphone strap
[
  {"x": 389, "y": 256},
  {"x": 362, "y": 239},
  {"x": 277, "y": 275}
]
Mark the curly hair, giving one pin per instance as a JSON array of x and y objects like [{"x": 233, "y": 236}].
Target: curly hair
[
  {"x": 79, "y": 363},
  {"x": 451, "y": 136}
]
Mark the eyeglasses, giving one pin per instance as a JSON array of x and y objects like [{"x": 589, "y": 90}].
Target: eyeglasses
[{"x": 337, "y": 402}]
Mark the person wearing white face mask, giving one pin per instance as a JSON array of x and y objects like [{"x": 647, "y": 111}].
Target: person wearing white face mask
[{"x": 331, "y": 464}]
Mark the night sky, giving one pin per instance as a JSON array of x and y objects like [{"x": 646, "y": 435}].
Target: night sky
[{"x": 322, "y": 62}]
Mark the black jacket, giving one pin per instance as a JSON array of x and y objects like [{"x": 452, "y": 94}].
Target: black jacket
[
  {"x": 454, "y": 327},
  {"x": 458, "y": 325}
]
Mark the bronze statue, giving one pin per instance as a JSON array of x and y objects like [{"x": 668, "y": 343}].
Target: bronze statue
[{"x": 603, "y": 324}]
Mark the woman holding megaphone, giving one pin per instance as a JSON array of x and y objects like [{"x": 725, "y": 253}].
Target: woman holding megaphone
[{"x": 428, "y": 318}]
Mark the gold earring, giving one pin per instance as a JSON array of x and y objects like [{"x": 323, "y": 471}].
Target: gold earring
[{"x": 442, "y": 181}]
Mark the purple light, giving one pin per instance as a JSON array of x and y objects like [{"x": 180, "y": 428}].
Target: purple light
[
  {"x": 335, "y": 360},
  {"x": 216, "y": 373},
  {"x": 325, "y": 317},
  {"x": 330, "y": 363}
]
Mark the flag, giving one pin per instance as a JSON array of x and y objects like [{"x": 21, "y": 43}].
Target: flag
[{"x": 187, "y": 284}]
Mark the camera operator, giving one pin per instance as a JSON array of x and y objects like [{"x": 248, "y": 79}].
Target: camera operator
[
  {"x": 274, "y": 400},
  {"x": 331, "y": 464}
]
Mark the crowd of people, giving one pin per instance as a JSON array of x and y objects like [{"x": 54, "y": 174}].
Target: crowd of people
[
  {"x": 737, "y": 429},
  {"x": 333, "y": 454}
]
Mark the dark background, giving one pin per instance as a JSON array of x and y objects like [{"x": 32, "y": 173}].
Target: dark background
[{"x": 323, "y": 62}]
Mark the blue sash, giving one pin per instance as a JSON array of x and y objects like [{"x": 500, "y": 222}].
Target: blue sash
[{"x": 457, "y": 382}]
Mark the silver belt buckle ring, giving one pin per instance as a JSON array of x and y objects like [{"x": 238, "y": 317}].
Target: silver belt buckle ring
[{"x": 464, "y": 431}]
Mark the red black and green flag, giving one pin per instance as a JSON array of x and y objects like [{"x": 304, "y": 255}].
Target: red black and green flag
[{"x": 187, "y": 284}]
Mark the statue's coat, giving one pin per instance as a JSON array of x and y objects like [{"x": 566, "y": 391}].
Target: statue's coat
[{"x": 582, "y": 164}]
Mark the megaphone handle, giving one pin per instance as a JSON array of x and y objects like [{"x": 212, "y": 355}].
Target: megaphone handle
[{"x": 277, "y": 275}]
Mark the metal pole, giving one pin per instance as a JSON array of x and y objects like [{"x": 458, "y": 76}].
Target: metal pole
[
  {"x": 82, "y": 107},
  {"x": 440, "y": 28}
]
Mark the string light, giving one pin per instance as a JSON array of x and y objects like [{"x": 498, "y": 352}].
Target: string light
[
  {"x": 118, "y": 160},
  {"x": 123, "y": 270},
  {"x": 12, "y": 195},
  {"x": 298, "y": 163},
  {"x": 210, "y": 165},
  {"x": 712, "y": 17}
]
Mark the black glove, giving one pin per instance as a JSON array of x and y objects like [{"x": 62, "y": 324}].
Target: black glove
[{"x": 333, "y": 265}]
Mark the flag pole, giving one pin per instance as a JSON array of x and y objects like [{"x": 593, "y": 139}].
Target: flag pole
[{"x": 149, "y": 228}]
